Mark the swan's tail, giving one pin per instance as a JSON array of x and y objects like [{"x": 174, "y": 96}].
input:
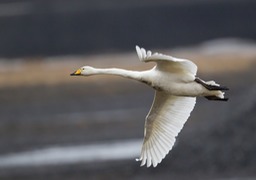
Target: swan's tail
[{"x": 216, "y": 98}]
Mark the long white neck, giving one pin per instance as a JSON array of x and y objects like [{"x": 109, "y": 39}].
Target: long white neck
[{"x": 136, "y": 75}]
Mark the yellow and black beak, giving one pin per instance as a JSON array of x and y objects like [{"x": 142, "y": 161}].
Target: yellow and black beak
[{"x": 76, "y": 73}]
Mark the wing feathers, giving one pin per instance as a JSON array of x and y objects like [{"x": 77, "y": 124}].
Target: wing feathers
[
  {"x": 168, "y": 113},
  {"x": 165, "y": 120},
  {"x": 148, "y": 149},
  {"x": 167, "y": 63},
  {"x": 159, "y": 147}
]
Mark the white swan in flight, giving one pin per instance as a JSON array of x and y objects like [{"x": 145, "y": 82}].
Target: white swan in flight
[{"x": 176, "y": 88}]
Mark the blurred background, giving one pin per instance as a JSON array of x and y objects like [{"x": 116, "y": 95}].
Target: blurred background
[{"x": 59, "y": 127}]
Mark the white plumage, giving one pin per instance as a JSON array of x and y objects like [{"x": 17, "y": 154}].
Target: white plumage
[
  {"x": 163, "y": 123},
  {"x": 175, "y": 97},
  {"x": 185, "y": 66}
]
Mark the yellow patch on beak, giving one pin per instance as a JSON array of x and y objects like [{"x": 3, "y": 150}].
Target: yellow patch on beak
[{"x": 78, "y": 72}]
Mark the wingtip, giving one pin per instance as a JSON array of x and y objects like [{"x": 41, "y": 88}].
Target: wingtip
[
  {"x": 147, "y": 163},
  {"x": 138, "y": 48},
  {"x": 139, "y": 52}
]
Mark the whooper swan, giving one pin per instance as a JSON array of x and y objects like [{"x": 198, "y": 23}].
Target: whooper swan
[{"x": 176, "y": 88}]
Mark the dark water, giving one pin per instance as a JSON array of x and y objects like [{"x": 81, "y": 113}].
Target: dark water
[{"x": 41, "y": 28}]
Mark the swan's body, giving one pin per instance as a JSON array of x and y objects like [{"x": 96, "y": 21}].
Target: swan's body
[{"x": 176, "y": 91}]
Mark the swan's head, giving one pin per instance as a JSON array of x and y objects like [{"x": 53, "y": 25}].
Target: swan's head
[{"x": 85, "y": 71}]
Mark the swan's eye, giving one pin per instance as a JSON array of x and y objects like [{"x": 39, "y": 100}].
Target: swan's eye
[{"x": 82, "y": 68}]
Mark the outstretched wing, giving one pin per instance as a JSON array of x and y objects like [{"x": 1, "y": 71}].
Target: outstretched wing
[
  {"x": 163, "y": 123},
  {"x": 167, "y": 63}
]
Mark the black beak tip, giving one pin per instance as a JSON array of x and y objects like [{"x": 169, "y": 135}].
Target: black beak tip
[{"x": 74, "y": 74}]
